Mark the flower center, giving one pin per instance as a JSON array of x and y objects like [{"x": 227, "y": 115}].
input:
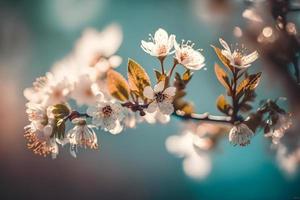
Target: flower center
[
  {"x": 162, "y": 49},
  {"x": 238, "y": 59},
  {"x": 183, "y": 56},
  {"x": 107, "y": 110},
  {"x": 160, "y": 97}
]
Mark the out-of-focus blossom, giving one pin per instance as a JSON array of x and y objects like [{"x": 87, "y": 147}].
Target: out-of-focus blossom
[
  {"x": 162, "y": 99},
  {"x": 278, "y": 130},
  {"x": 193, "y": 145},
  {"x": 81, "y": 135},
  {"x": 107, "y": 114},
  {"x": 156, "y": 116},
  {"x": 188, "y": 57},
  {"x": 288, "y": 161},
  {"x": 85, "y": 90},
  {"x": 49, "y": 90},
  {"x": 240, "y": 134},
  {"x": 196, "y": 164},
  {"x": 237, "y": 58},
  {"x": 160, "y": 45},
  {"x": 96, "y": 49}
]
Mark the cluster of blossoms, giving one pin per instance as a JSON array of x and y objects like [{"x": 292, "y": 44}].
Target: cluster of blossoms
[
  {"x": 82, "y": 76},
  {"x": 87, "y": 76}
]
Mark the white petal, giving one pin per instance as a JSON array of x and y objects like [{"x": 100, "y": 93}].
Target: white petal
[
  {"x": 148, "y": 92},
  {"x": 109, "y": 123},
  {"x": 225, "y": 45},
  {"x": 170, "y": 91},
  {"x": 91, "y": 110},
  {"x": 176, "y": 47},
  {"x": 160, "y": 36},
  {"x": 251, "y": 57},
  {"x": 166, "y": 108},
  {"x": 162, "y": 118},
  {"x": 118, "y": 128},
  {"x": 152, "y": 107},
  {"x": 159, "y": 87}
]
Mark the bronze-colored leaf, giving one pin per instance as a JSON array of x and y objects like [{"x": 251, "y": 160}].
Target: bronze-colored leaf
[
  {"x": 187, "y": 75},
  {"x": 222, "y": 77},
  {"x": 223, "y": 59},
  {"x": 242, "y": 85},
  {"x": 222, "y": 104},
  {"x": 60, "y": 110},
  {"x": 137, "y": 77},
  {"x": 254, "y": 80},
  {"x": 117, "y": 85}
]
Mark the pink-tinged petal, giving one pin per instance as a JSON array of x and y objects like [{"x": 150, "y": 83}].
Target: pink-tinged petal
[
  {"x": 159, "y": 87},
  {"x": 152, "y": 107},
  {"x": 148, "y": 92},
  {"x": 166, "y": 108},
  {"x": 160, "y": 36},
  {"x": 170, "y": 91}
]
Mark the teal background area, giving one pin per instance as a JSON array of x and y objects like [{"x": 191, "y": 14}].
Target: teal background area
[{"x": 134, "y": 164}]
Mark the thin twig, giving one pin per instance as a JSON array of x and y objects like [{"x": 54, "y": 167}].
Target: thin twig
[{"x": 202, "y": 117}]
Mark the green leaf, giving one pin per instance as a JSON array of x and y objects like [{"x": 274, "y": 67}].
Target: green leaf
[{"x": 117, "y": 85}]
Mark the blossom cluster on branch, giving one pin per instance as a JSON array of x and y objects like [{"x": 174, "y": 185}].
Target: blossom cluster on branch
[{"x": 88, "y": 76}]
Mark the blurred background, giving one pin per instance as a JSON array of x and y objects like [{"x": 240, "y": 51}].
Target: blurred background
[{"x": 134, "y": 164}]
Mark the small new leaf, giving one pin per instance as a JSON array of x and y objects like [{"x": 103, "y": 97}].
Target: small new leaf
[
  {"x": 117, "y": 85},
  {"x": 254, "y": 80},
  {"x": 137, "y": 77},
  {"x": 222, "y": 105},
  {"x": 222, "y": 77}
]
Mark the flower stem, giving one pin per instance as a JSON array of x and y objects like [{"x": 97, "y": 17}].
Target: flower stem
[
  {"x": 161, "y": 59},
  {"x": 172, "y": 69}
]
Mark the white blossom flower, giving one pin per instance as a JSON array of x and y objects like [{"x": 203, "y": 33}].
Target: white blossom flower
[
  {"x": 162, "y": 99},
  {"x": 237, "y": 58},
  {"x": 39, "y": 142},
  {"x": 188, "y": 57},
  {"x": 278, "y": 130},
  {"x": 107, "y": 114},
  {"x": 160, "y": 45},
  {"x": 81, "y": 135},
  {"x": 240, "y": 134}
]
